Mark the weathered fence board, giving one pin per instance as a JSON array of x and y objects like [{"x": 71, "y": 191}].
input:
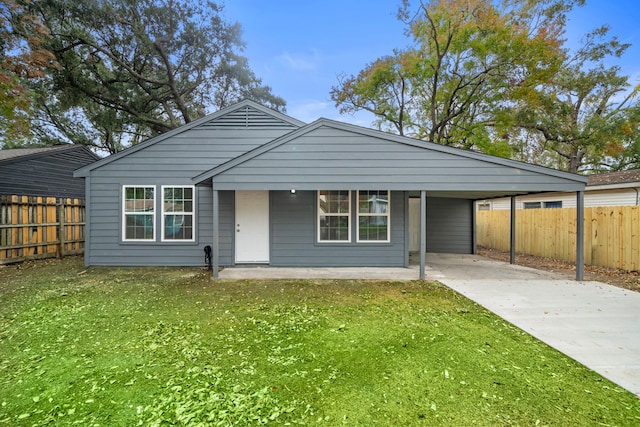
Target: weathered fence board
[
  {"x": 40, "y": 227},
  {"x": 611, "y": 234}
]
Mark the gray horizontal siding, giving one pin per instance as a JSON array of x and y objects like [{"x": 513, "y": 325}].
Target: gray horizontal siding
[
  {"x": 185, "y": 155},
  {"x": 449, "y": 225},
  {"x": 169, "y": 162},
  {"x": 106, "y": 248},
  {"x": 294, "y": 231},
  {"x": 334, "y": 158},
  {"x": 45, "y": 174}
]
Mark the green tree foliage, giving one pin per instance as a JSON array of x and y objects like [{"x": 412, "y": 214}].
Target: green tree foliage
[
  {"x": 627, "y": 154},
  {"x": 468, "y": 58},
  {"x": 21, "y": 60},
  {"x": 497, "y": 77},
  {"x": 132, "y": 69},
  {"x": 581, "y": 114}
]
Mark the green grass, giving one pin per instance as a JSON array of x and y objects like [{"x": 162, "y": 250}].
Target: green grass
[{"x": 169, "y": 346}]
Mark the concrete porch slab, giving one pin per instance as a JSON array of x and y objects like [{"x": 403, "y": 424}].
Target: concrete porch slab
[{"x": 372, "y": 273}]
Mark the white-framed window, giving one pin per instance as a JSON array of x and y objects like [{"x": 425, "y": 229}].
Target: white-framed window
[
  {"x": 531, "y": 205},
  {"x": 138, "y": 211},
  {"x": 178, "y": 213},
  {"x": 374, "y": 216},
  {"x": 334, "y": 216}
]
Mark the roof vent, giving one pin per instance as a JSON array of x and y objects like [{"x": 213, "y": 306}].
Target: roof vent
[{"x": 245, "y": 118}]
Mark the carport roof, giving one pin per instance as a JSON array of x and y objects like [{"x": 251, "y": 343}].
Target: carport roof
[{"x": 336, "y": 155}]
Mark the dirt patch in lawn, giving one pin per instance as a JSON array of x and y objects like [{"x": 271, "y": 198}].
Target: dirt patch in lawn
[{"x": 623, "y": 279}]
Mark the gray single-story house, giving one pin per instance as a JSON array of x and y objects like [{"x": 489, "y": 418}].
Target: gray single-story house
[
  {"x": 44, "y": 171},
  {"x": 260, "y": 187}
]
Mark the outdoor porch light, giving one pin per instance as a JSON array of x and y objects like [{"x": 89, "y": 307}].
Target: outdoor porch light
[{"x": 293, "y": 191}]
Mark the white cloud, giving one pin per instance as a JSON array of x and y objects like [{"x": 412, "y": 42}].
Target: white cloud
[
  {"x": 300, "y": 61},
  {"x": 312, "y": 109}
]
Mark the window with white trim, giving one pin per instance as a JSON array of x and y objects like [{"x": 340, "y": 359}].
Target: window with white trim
[
  {"x": 138, "y": 208},
  {"x": 334, "y": 216},
  {"x": 531, "y": 205},
  {"x": 373, "y": 216},
  {"x": 178, "y": 213}
]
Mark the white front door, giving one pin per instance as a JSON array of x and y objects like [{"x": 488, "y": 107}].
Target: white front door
[{"x": 252, "y": 226}]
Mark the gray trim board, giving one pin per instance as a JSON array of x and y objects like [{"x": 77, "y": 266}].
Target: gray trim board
[
  {"x": 423, "y": 232},
  {"x": 406, "y": 229},
  {"x": 512, "y": 231},
  {"x": 87, "y": 221},
  {"x": 215, "y": 252}
]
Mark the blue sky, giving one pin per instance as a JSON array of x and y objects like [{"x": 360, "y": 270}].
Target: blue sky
[{"x": 299, "y": 48}]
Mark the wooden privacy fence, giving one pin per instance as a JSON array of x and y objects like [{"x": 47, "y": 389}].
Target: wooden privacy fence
[
  {"x": 40, "y": 227},
  {"x": 611, "y": 234}
]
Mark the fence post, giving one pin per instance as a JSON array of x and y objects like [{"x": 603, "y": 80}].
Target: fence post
[
  {"x": 580, "y": 235},
  {"x": 512, "y": 231},
  {"x": 62, "y": 230}
]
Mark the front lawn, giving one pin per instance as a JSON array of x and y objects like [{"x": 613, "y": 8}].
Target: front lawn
[{"x": 169, "y": 346}]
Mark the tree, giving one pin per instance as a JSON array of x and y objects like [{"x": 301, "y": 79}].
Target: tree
[
  {"x": 20, "y": 60},
  {"x": 581, "y": 114},
  {"x": 469, "y": 57},
  {"x": 132, "y": 69}
]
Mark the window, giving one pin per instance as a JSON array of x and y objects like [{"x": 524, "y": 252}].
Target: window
[
  {"x": 531, "y": 205},
  {"x": 177, "y": 213},
  {"x": 554, "y": 204},
  {"x": 373, "y": 216},
  {"x": 334, "y": 216},
  {"x": 139, "y": 212},
  {"x": 484, "y": 207}
]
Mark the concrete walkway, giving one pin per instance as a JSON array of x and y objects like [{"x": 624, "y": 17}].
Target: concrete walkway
[{"x": 596, "y": 324}]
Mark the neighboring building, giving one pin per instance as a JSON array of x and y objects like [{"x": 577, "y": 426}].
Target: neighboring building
[
  {"x": 44, "y": 171},
  {"x": 260, "y": 187},
  {"x": 605, "y": 189}
]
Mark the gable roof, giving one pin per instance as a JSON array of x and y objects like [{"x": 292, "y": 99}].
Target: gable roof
[
  {"x": 611, "y": 178},
  {"x": 244, "y": 114},
  {"x": 21, "y": 154},
  {"x": 387, "y": 137}
]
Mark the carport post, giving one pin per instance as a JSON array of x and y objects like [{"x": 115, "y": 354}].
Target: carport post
[
  {"x": 423, "y": 231},
  {"x": 216, "y": 243},
  {"x": 580, "y": 235},
  {"x": 512, "y": 231}
]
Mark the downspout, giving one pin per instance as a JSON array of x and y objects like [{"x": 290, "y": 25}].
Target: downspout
[{"x": 637, "y": 195}]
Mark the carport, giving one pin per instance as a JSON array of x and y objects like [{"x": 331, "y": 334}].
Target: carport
[
  {"x": 474, "y": 196},
  {"x": 295, "y": 170}
]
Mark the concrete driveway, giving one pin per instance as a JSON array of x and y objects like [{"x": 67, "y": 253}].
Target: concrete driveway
[{"x": 596, "y": 324}]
